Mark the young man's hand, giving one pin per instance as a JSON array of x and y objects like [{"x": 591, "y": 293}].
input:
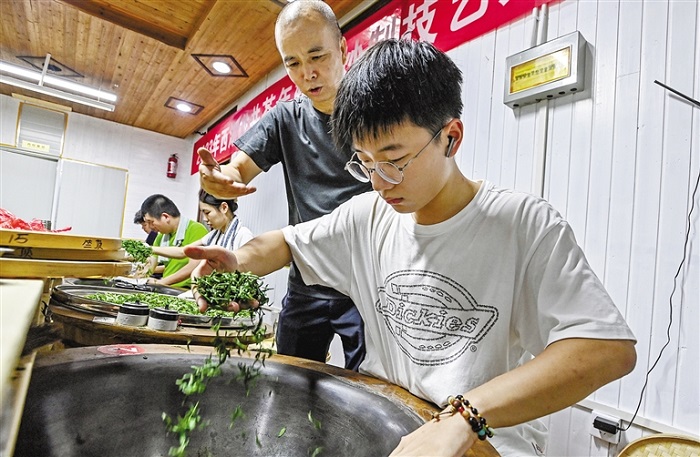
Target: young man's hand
[
  {"x": 213, "y": 258},
  {"x": 450, "y": 437}
]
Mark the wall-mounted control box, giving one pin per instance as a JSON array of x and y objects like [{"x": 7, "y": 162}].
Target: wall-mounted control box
[{"x": 552, "y": 69}]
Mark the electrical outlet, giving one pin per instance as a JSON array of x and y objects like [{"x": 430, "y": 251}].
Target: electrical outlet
[{"x": 605, "y": 427}]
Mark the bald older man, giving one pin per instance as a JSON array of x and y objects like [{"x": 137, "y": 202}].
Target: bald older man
[{"x": 296, "y": 133}]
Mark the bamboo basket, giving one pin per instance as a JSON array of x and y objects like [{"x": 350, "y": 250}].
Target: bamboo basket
[{"x": 662, "y": 445}]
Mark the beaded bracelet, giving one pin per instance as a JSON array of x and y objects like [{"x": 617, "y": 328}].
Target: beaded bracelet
[{"x": 462, "y": 406}]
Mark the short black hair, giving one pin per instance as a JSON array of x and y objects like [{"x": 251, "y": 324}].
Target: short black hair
[
  {"x": 157, "y": 204},
  {"x": 209, "y": 199},
  {"x": 394, "y": 82},
  {"x": 138, "y": 217}
]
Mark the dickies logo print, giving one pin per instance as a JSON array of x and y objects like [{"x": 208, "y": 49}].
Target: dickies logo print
[{"x": 433, "y": 319}]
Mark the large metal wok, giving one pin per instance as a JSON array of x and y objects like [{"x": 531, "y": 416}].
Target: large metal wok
[{"x": 83, "y": 402}]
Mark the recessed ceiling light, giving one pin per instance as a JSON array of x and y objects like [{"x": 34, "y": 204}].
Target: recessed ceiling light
[
  {"x": 221, "y": 67},
  {"x": 184, "y": 107}
]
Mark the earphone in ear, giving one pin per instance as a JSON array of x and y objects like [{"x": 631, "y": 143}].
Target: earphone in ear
[{"x": 450, "y": 146}]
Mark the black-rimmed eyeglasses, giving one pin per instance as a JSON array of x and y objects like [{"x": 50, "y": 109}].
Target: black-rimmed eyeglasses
[{"x": 388, "y": 171}]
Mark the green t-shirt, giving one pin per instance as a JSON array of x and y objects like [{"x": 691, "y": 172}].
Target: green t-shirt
[{"x": 195, "y": 231}]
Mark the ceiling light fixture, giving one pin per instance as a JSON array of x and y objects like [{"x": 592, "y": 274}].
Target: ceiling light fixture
[
  {"x": 42, "y": 79},
  {"x": 55, "y": 67},
  {"x": 221, "y": 67},
  {"x": 183, "y": 106}
]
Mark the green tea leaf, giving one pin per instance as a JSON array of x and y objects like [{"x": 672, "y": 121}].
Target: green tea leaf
[
  {"x": 219, "y": 289},
  {"x": 137, "y": 250}
]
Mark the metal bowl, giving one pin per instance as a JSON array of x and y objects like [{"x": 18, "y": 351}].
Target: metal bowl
[
  {"x": 122, "y": 284},
  {"x": 75, "y": 296}
]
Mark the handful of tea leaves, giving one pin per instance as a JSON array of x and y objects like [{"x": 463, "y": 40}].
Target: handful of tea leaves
[
  {"x": 137, "y": 250},
  {"x": 221, "y": 288}
]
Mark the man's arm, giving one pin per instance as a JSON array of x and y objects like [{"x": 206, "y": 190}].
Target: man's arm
[
  {"x": 230, "y": 180},
  {"x": 180, "y": 275},
  {"x": 174, "y": 252},
  {"x": 262, "y": 255},
  {"x": 563, "y": 374},
  {"x": 171, "y": 252}
]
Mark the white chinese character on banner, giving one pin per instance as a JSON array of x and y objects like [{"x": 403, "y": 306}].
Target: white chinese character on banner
[
  {"x": 256, "y": 114},
  {"x": 421, "y": 20},
  {"x": 285, "y": 93},
  {"x": 381, "y": 32},
  {"x": 354, "y": 54},
  {"x": 269, "y": 102},
  {"x": 459, "y": 23},
  {"x": 215, "y": 145},
  {"x": 224, "y": 141}
]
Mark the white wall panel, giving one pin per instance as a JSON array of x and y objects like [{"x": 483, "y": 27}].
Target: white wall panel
[
  {"x": 9, "y": 113},
  {"x": 144, "y": 154},
  {"x": 648, "y": 176},
  {"x": 467, "y": 58},
  {"x": 582, "y": 126},
  {"x": 622, "y": 161},
  {"x": 688, "y": 400},
  {"x": 482, "y": 128},
  {"x": 675, "y": 191},
  {"x": 504, "y": 118}
]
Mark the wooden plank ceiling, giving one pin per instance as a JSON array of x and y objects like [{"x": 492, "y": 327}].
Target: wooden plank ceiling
[{"x": 144, "y": 51}]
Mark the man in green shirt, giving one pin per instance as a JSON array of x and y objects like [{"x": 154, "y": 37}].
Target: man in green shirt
[{"x": 174, "y": 231}]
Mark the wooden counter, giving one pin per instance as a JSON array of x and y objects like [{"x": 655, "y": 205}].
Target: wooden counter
[{"x": 19, "y": 302}]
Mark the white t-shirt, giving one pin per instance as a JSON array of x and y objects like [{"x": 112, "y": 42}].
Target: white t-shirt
[{"x": 449, "y": 306}]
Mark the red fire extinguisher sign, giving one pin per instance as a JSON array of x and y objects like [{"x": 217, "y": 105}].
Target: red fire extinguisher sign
[{"x": 172, "y": 166}]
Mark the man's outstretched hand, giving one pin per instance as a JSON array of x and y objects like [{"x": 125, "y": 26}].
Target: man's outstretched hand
[{"x": 216, "y": 182}]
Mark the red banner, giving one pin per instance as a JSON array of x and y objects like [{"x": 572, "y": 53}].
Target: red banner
[
  {"x": 445, "y": 23},
  {"x": 219, "y": 139}
]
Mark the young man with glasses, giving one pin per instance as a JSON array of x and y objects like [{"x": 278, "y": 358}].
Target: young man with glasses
[{"x": 468, "y": 291}]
